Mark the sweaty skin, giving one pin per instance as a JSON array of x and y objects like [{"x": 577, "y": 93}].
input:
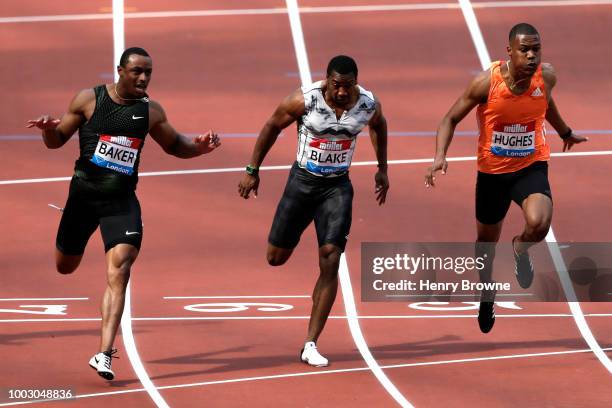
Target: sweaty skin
[{"x": 132, "y": 84}]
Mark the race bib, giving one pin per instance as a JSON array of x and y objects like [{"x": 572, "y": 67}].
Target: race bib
[
  {"x": 326, "y": 157},
  {"x": 118, "y": 153},
  {"x": 514, "y": 140}
]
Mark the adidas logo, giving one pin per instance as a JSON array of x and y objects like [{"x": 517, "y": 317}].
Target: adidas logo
[{"x": 537, "y": 92}]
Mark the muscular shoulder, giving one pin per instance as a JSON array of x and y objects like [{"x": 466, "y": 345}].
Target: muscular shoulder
[
  {"x": 549, "y": 75},
  {"x": 294, "y": 103},
  {"x": 82, "y": 100},
  {"x": 156, "y": 113},
  {"x": 479, "y": 87}
]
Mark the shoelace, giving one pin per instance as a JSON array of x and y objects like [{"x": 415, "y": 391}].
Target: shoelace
[{"x": 108, "y": 355}]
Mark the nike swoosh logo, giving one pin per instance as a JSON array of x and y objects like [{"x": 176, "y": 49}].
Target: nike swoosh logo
[
  {"x": 131, "y": 233},
  {"x": 137, "y": 117},
  {"x": 96, "y": 358}
]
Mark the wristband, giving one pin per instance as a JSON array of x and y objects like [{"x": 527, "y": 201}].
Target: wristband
[
  {"x": 251, "y": 170},
  {"x": 566, "y": 134}
]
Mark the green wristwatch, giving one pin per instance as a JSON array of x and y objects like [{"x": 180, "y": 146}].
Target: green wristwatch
[{"x": 251, "y": 170}]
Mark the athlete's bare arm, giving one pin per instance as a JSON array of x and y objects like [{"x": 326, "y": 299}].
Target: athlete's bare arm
[
  {"x": 289, "y": 110},
  {"x": 552, "y": 113},
  {"x": 56, "y": 132},
  {"x": 378, "y": 136},
  {"x": 475, "y": 94},
  {"x": 173, "y": 142}
]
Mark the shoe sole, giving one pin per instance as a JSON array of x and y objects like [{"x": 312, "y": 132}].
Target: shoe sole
[
  {"x": 105, "y": 375},
  {"x": 312, "y": 365}
]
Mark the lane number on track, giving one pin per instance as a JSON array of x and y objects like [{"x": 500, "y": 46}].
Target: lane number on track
[
  {"x": 237, "y": 307},
  {"x": 56, "y": 310},
  {"x": 444, "y": 306}
]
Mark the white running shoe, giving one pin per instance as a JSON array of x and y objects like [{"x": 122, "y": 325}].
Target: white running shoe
[
  {"x": 101, "y": 362},
  {"x": 310, "y": 355}
]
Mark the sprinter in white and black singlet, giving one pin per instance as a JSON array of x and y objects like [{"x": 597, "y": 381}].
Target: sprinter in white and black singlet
[
  {"x": 329, "y": 114},
  {"x": 113, "y": 121}
]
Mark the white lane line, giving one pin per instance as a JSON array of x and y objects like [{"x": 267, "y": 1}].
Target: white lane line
[
  {"x": 574, "y": 306},
  {"x": 555, "y": 252},
  {"x": 470, "y": 19},
  {"x": 321, "y": 372},
  {"x": 286, "y": 167},
  {"x": 298, "y": 42},
  {"x": 362, "y": 346},
  {"x": 118, "y": 34},
  {"x": 343, "y": 272},
  {"x": 18, "y": 299},
  {"x": 327, "y": 9},
  {"x": 132, "y": 352},
  {"x": 361, "y": 317},
  {"x": 238, "y": 297},
  {"x": 126, "y": 319}
]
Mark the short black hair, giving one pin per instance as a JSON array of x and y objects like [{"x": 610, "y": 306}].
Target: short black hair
[
  {"x": 522, "y": 29},
  {"x": 343, "y": 65},
  {"x": 131, "y": 51}
]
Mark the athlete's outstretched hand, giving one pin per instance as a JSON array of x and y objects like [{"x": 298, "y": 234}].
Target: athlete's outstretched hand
[
  {"x": 250, "y": 182},
  {"x": 572, "y": 140},
  {"x": 43, "y": 122},
  {"x": 438, "y": 164},
  {"x": 207, "y": 142},
  {"x": 381, "y": 181}
]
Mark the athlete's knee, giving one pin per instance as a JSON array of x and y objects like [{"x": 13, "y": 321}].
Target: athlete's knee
[
  {"x": 538, "y": 227},
  {"x": 120, "y": 261},
  {"x": 276, "y": 260},
  {"x": 329, "y": 252},
  {"x": 277, "y": 256},
  {"x": 64, "y": 268},
  {"x": 66, "y": 264},
  {"x": 329, "y": 260}
]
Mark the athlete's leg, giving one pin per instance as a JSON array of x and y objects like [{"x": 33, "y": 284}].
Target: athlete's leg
[
  {"x": 66, "y": 264},
  {"x": 332, "y": 218},
  {"x": 79, "y": 221},
  {"x": 122, "y": 233},
  {"x": 487, "y": 236},
  {"x": 537, "y": 210},
  {"x": 277, "y": 256},
  {"x": 532, "y": 193},
  {"x": 294, "y": 212},
  {"x": 119, "y": 260},
  {"x": 324, "y": 293},
  {"x": 492, "y": 203}
]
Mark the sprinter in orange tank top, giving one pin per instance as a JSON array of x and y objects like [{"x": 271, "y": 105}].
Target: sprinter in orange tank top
[{"x": 513, "y": 99}]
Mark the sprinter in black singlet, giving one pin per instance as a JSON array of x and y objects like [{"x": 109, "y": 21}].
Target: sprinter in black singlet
[{"x": 113, "y": 121}]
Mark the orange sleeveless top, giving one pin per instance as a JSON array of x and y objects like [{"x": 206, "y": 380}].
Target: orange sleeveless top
[{"x": 511, "y": 127}]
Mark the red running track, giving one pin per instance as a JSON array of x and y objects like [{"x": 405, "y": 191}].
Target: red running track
[{"x": 229, "y": 72}]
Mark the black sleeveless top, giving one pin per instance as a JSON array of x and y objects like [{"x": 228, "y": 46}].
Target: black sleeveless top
[{"x": 110, "y": 143}]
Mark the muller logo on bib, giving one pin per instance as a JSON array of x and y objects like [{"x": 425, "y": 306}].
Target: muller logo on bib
[
  {"x": 513, "y": 140},
  {"x": 326, "y": 156},
  {"x": 121, "y": 140},
  {"x": 117, "y": 153}
]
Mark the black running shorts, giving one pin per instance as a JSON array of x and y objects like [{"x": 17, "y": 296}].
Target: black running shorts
[
  {"x": 326, "y": 200},
  {"x": 118, "y": 216},
  {"x": 494, "y": 192}
]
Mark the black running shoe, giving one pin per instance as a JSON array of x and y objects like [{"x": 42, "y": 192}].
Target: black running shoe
[
  {"x": 486, "y": 311},
  {"x": 523, "y": 267}
]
